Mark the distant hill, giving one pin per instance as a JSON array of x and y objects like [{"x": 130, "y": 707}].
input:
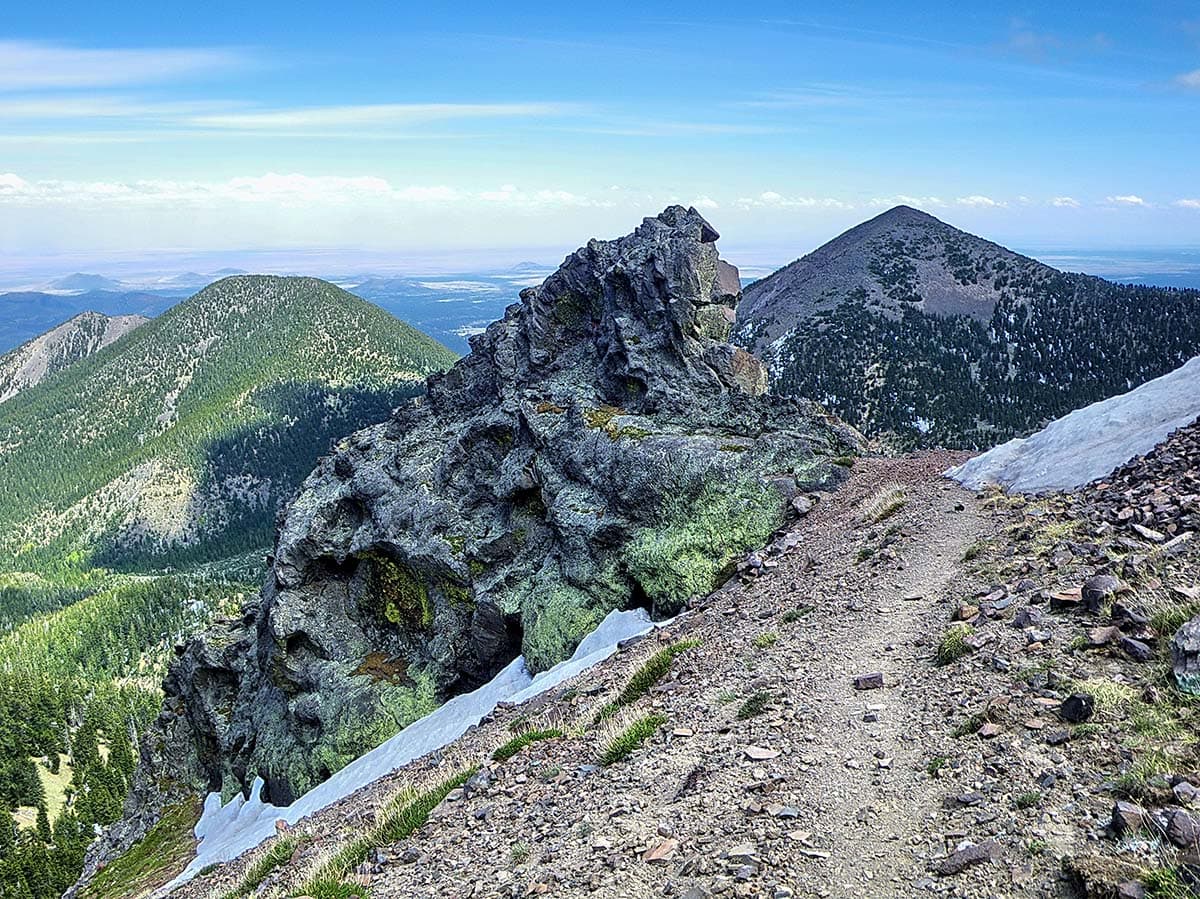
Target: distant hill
[
  {"x": 178, "y": 443},
  {"x": 59, "y": 348},
  {"x": 83, "y": 282},
  {"x": 916, "y": 331},
  {"x": 25, "y": 314}
]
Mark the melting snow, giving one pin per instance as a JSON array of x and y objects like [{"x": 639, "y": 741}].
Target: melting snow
[
  {"x": 1091, "y": 442},
  {"x": 225, "y": 832}
]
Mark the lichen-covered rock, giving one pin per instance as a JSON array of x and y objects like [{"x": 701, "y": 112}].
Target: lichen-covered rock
[
  {"x": 1185, "y": 657},
  {"x": 603, "y": 446}
]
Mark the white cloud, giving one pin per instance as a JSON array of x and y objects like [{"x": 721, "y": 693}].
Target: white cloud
[
  {"x": 10, "y": 183},
  {"x": 773, "y": 199},
  {"x": 706, "y": 202},
  {"x": 1065, "y": 202},
  {"x": 29, "y": 65},
  {"x": 1127, "y": 200},
  {"x": 1190, "y": 80},
  {"x": 290, "y": 189},
  {"x": 906, "y": 200},
  {"x": 1182, "y": 204},
  {"x": 372, "y": 115},
  {"x": 980, "y": 202}
]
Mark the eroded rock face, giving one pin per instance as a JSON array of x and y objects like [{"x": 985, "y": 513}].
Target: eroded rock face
[{"x": 603, "y": 446}]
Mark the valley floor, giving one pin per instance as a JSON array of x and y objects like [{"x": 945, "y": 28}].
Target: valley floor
[{"x": 772, "y": 773}]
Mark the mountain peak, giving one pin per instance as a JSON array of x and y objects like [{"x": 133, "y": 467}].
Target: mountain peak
[
  {"x": 61, "y": 347},
  {"x": 901, "y": 260}
]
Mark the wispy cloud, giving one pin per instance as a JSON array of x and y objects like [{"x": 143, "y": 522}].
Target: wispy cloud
[
  {"x": 979, "y": 201},
  {"x": 30, "y": 65},
  {"x": 806, "y": 97},
  {"x": 1187, "y": 204},
  {"x": 1189, "y": 80},
  {"x": 374, "y": 115},
  {"x": 1126, "y": 200},
  {"x": 1066, "y": 202},
  {"x": 75, "y": 107}
]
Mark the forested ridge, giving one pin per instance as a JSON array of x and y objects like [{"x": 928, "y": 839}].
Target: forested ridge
[
  {"x": 139, "y": 486},
  {"x": 178, "y": 443}
]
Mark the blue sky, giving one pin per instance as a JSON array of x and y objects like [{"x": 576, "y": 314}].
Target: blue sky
[{"x": 391, "y": 126}]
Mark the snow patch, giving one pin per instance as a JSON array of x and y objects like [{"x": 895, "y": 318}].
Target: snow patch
[
  {"x": 225, "y": 832},
  {"x": 1091, "y": 442}
]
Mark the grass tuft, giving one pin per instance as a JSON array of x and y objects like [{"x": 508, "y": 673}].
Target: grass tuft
[
  {"x": 402, "y": 817},
  {"x": 886, "y": 502},
  {"x": 620, "y": 746},
  {"x": 519, "y": 742},
  {"x": 754, "y": 705},
  {"x": 276, "y": 857},
  {"x": 766, "y": 639},
  {"x": 953, "y": 645},
  {"x": 791, "y": 616},
  {"x": 650, "y": 673}
]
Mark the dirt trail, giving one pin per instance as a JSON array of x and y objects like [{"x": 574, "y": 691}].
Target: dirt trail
[
  {"x": 871, "y": 803},
  {"x": 825, "y": 793}
]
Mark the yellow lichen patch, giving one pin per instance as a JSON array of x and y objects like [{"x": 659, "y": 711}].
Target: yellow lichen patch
[{"x": 383, "y": 667}]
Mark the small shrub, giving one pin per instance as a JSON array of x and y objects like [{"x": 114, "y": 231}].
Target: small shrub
[
  {"x": 519, "y": 853},
  {"x": 765, "y": 639},
  {"x": 755, "y": 705},
  {"x": 791, "y": 616},
  {"x": 726, "y": 696},
  {"x": 953, "y": 645},
  {"x": 517, "y": 743},
  {"x": 936, "y": 764},
  {"x": 620, "y": 746},
  {"x": 1028, "y": 800},
  {"x": 974, "y": 551},
  {"x": 969, "y": 725}
]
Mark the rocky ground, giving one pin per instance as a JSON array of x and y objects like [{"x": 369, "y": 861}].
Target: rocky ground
[{"x": 937, "y": 712}]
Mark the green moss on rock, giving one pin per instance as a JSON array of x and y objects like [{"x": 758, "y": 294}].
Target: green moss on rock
[
  {"x": 687, "y": 554},
  {"x": 555, "y": 619}
]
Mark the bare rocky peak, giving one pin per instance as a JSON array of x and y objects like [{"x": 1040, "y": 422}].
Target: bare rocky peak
[
  {"x": 901, "y": 259},
  {"x": 63, "y": 346}
]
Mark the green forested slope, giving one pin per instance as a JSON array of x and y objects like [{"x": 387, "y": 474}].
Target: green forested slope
[
  {"x": 178, "y": 443},
  {"x": 172, "y": 448}
]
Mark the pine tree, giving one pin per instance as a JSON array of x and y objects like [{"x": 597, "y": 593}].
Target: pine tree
[{"x": 43, "y": 823}]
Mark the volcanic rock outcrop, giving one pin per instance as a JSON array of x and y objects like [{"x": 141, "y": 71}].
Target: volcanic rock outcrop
[{"x": 603, "y": 446}]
